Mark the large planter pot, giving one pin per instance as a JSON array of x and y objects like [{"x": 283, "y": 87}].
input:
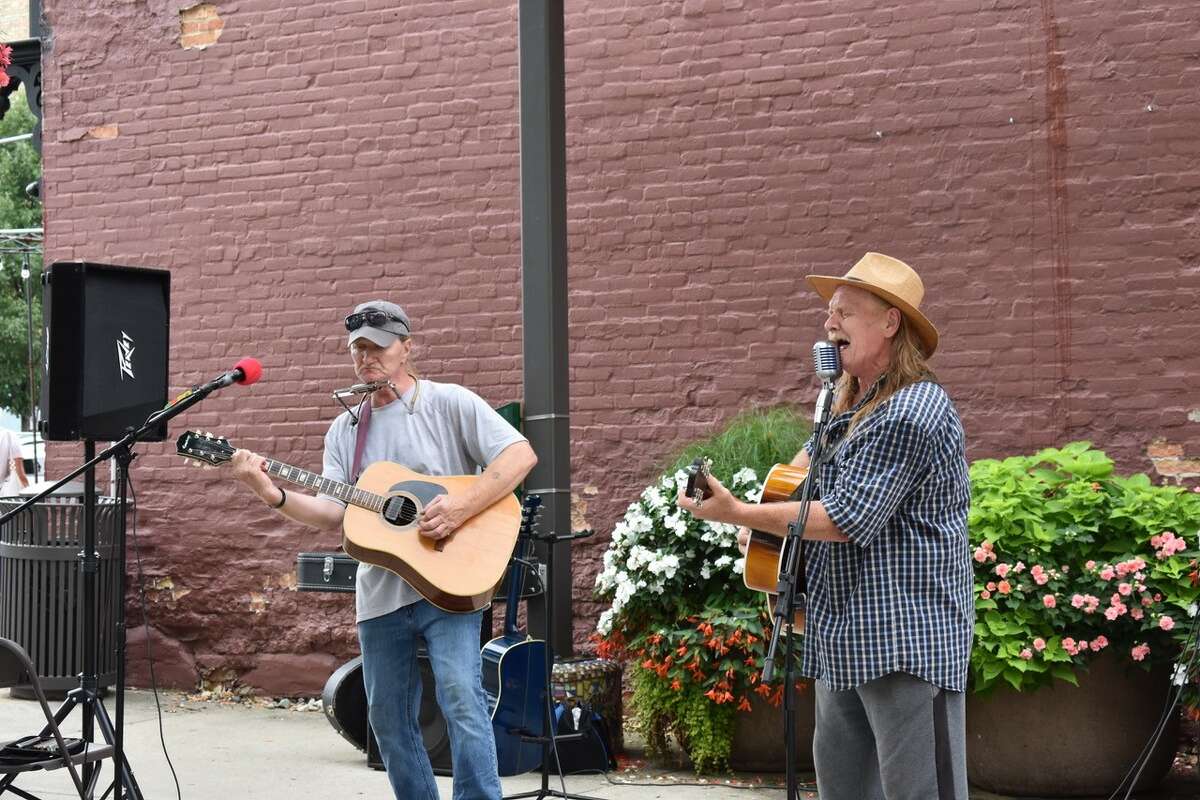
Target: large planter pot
[
  {"x": 758, "y": 744},
  {"x": 1071, "y": 741}
]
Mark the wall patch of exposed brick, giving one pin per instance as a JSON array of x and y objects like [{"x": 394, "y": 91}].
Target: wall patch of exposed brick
[
  {"x": 103, "y": 132},
  {"x": 199, "y": 26},
  {"x": 1170, "y": 461}
]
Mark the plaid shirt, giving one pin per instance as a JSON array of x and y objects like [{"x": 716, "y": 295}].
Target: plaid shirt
[{"x": 898, "y": 596}]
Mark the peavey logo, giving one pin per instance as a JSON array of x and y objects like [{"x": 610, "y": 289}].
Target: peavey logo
[{"x": 125, "y": 355}]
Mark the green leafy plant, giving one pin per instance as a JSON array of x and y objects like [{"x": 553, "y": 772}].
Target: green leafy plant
[
  {"x": 20, "y": 165},
  {"x": 1071, "y": 561},
  {"x": 679, "y": 609}
]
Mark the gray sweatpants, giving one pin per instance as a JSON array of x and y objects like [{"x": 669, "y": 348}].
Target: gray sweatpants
[{"x": 894, "y": 738}]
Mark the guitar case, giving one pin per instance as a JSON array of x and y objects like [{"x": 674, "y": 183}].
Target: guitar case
[
  {"x": 325, "y": 572},
  {"x": 344, "y": 702}
]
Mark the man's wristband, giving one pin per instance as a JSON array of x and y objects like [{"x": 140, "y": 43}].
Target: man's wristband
[{"x": 282, "y": 498}]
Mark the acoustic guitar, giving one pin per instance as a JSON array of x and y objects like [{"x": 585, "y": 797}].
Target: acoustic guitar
[
  {"x": 766, "y": 553},
  {"x": 457, "y": 573},
  {"x": 514, "y": 669}
]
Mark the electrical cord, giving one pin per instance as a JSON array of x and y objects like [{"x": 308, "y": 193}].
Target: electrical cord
[
  {"x": 804, "y": 787},
  {"x": 1171, "y": 707},
  {"x": 137, "y": 553}
]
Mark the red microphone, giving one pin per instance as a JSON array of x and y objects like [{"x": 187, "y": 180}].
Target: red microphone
[{"x": 246, "y": 371}]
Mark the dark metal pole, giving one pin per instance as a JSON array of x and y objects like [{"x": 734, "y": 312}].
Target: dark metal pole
[
  {"x": 544, "y": 271},
  {"x": 25, "y": 275}
]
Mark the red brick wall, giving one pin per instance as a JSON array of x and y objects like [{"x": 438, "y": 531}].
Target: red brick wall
[{"x": 1036, "y": 162}]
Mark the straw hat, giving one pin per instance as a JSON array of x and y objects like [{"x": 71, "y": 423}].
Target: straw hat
[{"x": 891, "y": 280}]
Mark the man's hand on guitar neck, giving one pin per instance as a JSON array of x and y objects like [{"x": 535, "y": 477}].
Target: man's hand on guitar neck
[
  {"x": 251, "y": 469},
  {"x": 722, "y": 506}
]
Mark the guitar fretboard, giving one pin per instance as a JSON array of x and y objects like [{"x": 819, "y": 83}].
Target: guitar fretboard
[{"x": 342, "y": 491}]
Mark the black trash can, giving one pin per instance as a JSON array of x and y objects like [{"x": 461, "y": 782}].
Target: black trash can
[{"x": 42, "y": 606}]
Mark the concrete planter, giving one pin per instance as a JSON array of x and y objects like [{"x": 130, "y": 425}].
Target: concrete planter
[
  {"x": 758, "y": 736},
  {"x": 1067, "y": 741}
]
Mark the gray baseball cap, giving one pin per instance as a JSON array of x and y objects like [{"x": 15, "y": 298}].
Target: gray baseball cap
[{"x": 383, "y": 328}]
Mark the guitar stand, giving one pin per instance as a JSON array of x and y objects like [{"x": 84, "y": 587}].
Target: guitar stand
[{"x": 551, "y": 737}]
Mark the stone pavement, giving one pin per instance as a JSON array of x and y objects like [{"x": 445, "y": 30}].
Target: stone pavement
[{"x": 228, "y": 750}]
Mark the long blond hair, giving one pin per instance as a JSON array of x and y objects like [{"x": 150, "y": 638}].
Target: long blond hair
[{"x": 907, "y": 366}]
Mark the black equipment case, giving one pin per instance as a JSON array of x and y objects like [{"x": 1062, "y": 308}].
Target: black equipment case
[{"x": 325, "y": 572}]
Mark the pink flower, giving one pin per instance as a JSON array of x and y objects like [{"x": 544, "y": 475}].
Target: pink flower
[
  {"x": 1070, "y": 646},
  {"x": 1125, "y": 589},
  {"x": 1003, "y": 587},
  {"x": 985, "y": 595},
  {"x": 1018, "y": 568},
  {"x": 1041, "y": 578},
  {"x": 1139, "y": 652},
  {"x": 1166, "y": 623},
  {"x": 1083, "y": 645},
  {"x": 1049, "y": 602},
  {"x": 1112, "y": 612},
  {"x": 1077, "y": 601},
  {"x": 1099, "y": 642},
  {"x": 1026, "y": 654},
  {"x": 1090, "y": 565},
  {"x": 991, "y": 586},
  {"x": 1039, "y": 644},
  {"x": 980, "y": 555},
  {"x": 1108, "y": 573},
  {"x": 1002, "y": 569},
  {"x": 1136, "y": 613}
]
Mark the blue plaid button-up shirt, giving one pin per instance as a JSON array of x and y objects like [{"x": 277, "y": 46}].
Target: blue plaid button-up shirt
[{"x": 898, "y": 596}]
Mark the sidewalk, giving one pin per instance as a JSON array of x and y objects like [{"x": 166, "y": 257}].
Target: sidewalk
[{"x": 229, "y": 751}]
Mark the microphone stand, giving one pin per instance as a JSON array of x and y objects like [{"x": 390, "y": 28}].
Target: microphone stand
[
  {"x": 786, "y": 598},
  {"x": 87, "y": 696}
]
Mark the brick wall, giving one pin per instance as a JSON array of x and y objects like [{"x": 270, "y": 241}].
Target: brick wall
[{"x": 1036, "y": 161}]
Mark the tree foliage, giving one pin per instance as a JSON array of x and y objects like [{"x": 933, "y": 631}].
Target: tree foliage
[{"x": 20, "y": 165}]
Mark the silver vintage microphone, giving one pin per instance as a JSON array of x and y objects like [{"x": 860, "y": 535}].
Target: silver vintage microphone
[
  {"x": 827, "y": 365},
  {"x": 361, "y": 388}
]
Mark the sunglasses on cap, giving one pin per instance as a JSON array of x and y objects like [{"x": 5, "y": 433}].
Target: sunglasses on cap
[{"x": 371, "y": 317}]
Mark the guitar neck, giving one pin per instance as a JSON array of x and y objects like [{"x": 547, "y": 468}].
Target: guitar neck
[{"x": 311, "y": 480}]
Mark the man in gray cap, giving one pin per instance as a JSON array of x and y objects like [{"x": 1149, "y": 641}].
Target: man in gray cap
[{"x": 436, "y": 429}]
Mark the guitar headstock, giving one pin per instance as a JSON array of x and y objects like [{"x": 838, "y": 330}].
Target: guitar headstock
[
  {"x": 204, "y": 447},
  {"x": 531, "y": 513},
  {"x": 697, "y": 483}
]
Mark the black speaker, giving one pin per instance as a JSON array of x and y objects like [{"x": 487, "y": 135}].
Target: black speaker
[{"x": 107, "y": 340}]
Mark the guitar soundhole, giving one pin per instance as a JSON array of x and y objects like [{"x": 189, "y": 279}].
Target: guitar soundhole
[{"x": 400, "y": 510}]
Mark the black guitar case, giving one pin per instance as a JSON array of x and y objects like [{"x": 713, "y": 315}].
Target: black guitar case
[{"x": 344, "y": 702}]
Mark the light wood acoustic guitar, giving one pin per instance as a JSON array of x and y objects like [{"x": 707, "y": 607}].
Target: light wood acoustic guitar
[
  {"x": 765, "y": 554},
  {"x": 457, "y": 573}
]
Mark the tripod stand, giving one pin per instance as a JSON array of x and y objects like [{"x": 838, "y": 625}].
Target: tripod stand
[
  {"x": 550, "y": 736},
  {"x": 87, "y": 696}
]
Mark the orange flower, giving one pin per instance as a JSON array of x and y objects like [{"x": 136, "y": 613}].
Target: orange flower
[
  {"x": 744, "y": 705},
  {"x": 676, "y": 685}
]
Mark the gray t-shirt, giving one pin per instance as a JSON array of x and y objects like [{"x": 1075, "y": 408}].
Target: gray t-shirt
[{"x": 450, "y": 431}]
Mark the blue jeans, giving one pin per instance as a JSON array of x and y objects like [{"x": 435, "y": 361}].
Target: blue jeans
[{"x": 392, "y": 679}]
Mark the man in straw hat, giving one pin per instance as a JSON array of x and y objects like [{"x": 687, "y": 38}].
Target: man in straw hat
[{"x": 890, "y": 605}]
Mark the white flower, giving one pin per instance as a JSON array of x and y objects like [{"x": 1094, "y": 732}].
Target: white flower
[
  {"x": 739, "y": 566},
  {"x": 723, "y": 561},
  {"x": 604, "y": 625},
  {"x": 1180, "y": 675},
  {"x": 744, "y": 475},
  {"x": 1192, "y": 609},
  {"x": 754, "y": 495},
  {"x": 705, "y": 571},
  {"x": 654, "y": 498}
]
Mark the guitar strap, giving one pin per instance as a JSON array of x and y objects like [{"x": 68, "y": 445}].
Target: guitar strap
[{"x": 360, "y": 443}]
